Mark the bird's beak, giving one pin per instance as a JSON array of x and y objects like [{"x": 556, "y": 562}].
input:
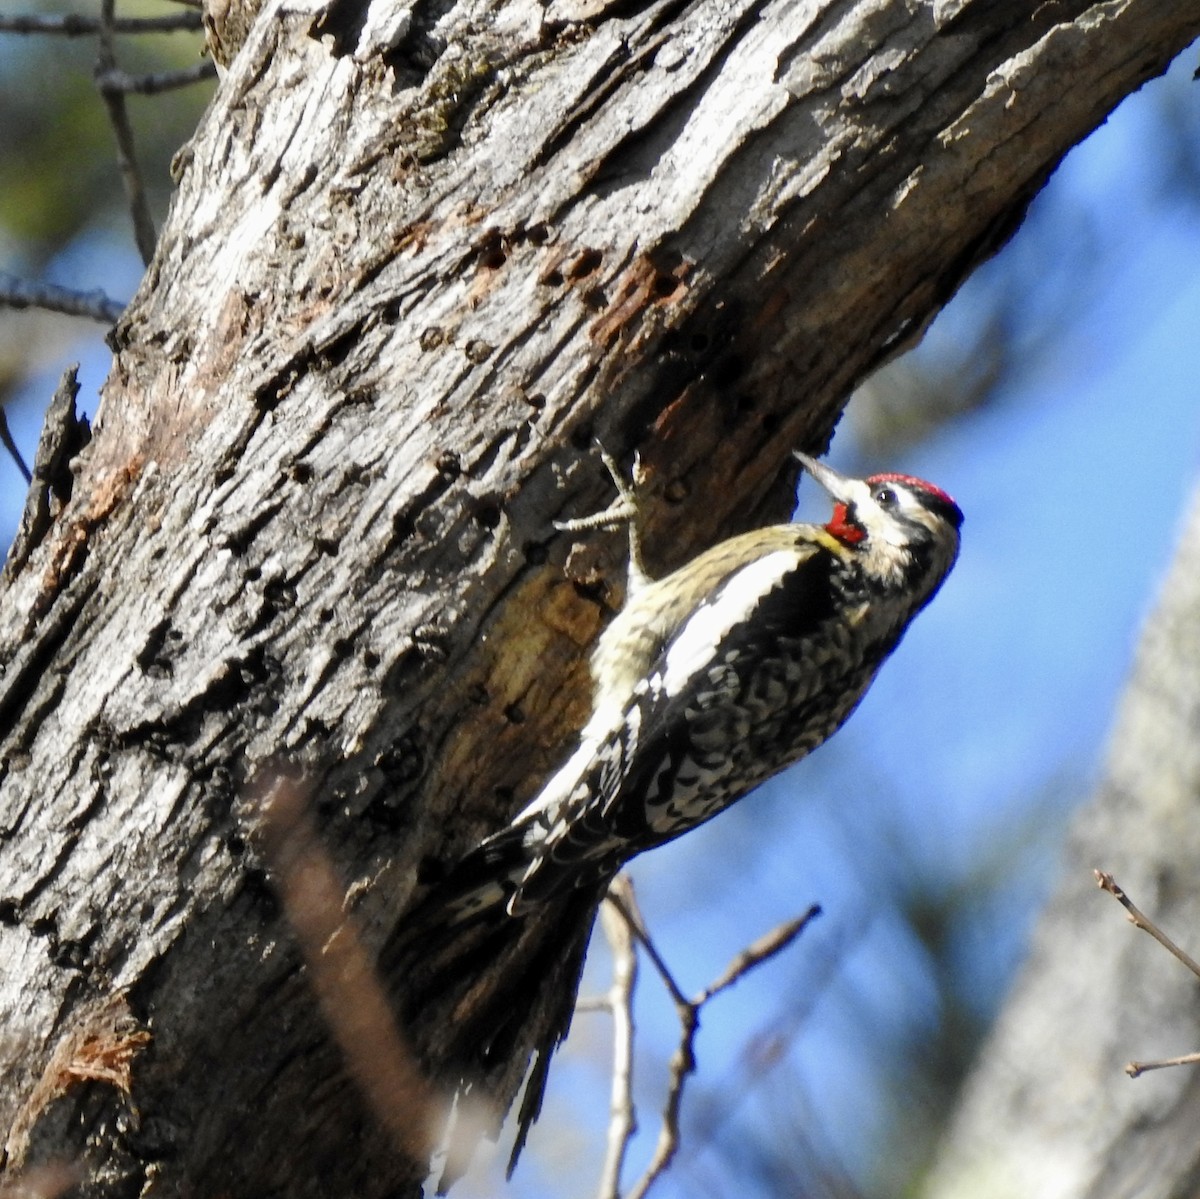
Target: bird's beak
[{"x": 838, "y": 485}]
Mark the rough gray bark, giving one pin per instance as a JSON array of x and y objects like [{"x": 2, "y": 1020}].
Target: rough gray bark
[
  {"x": 420, "y": 257},
  {"x": 1049, "y": 1111}
]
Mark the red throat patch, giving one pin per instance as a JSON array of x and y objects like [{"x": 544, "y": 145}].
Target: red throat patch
[{"x": 843, "y": 528}]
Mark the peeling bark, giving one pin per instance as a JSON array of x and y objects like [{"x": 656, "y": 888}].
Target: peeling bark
[{"x": 418, "y": 259}]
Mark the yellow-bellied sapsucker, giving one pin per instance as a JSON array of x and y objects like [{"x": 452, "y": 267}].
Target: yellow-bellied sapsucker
[{"x": 709, "y": 681}]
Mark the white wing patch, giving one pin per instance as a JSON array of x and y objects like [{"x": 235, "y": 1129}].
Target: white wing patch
[
  {"x": 691, "y": 650},
  {"x": 560, "y": 785}
]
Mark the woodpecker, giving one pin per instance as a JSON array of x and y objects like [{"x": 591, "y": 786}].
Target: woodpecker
[
  {"x": 719, "y": 675},
  {"x": 708, "y": 681}
]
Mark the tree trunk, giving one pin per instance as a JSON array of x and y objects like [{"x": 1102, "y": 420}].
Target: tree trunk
[
  {"x": 1049, "y": 1110},
  {"x": 418, "y": 260}
]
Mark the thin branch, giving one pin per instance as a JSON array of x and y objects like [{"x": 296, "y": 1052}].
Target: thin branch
[
  {"x": 594, "y": 1003},
  {"x": 1136, "y": 1068},
  {"x": 622, "y": 1120},
  {"x": 683, "y": 1063},
  {"x": 1139, "y": 919},
  {"x": 626, "y": 905},
  {"x": 96, "y": 305},
  {"x": 6, "y": 440},
  {"x": 114, "y": 101},
  {"x": 683, "y": 1060},
  {"x": 762, "y": 950},
  {"x": 122, "y": 83},
  {"x": 77, "y": 25}
]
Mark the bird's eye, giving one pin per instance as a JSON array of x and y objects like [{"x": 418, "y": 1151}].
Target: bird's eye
[{"x": 885, "y": 497}]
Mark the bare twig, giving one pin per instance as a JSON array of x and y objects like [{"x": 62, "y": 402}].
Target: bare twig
[
  {"x": 683, "y": 1061},
  {"x": 594, "y": 1003},
  {"x": 1139, "y": 919},
  {"x": 622, "y": 1120},
  {"x": 762, "y": 950},
  {"x": 19, "y": 293},
  {"x": 627, "y": 906},
  {"x": 77, "y": 25},
  {"x": 1136, "y": 1068},
  {"x": 149, "y": 85},
  {"x": 7, "y": 441},
  {"x": 118, "y": 116},
  {"x": 765, "y": 1047}
]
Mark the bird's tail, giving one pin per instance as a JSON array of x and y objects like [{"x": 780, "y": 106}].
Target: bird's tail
[{"x": 486, "y": 997}]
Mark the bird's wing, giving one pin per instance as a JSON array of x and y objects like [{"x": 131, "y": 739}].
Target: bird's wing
[{"x": 691, "y": 734}]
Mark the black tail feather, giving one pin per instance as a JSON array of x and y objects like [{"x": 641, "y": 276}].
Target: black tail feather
[{"x": 482, "y": 994}]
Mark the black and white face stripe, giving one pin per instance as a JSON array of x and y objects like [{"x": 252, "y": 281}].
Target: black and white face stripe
[
  {"x": 893, "y": 510},
  {"x": 894, "y": 513},
  {"x": 889, "y": 490}
]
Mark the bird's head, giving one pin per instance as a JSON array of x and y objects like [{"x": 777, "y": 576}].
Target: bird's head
[{"x": 906, "y": 530}]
